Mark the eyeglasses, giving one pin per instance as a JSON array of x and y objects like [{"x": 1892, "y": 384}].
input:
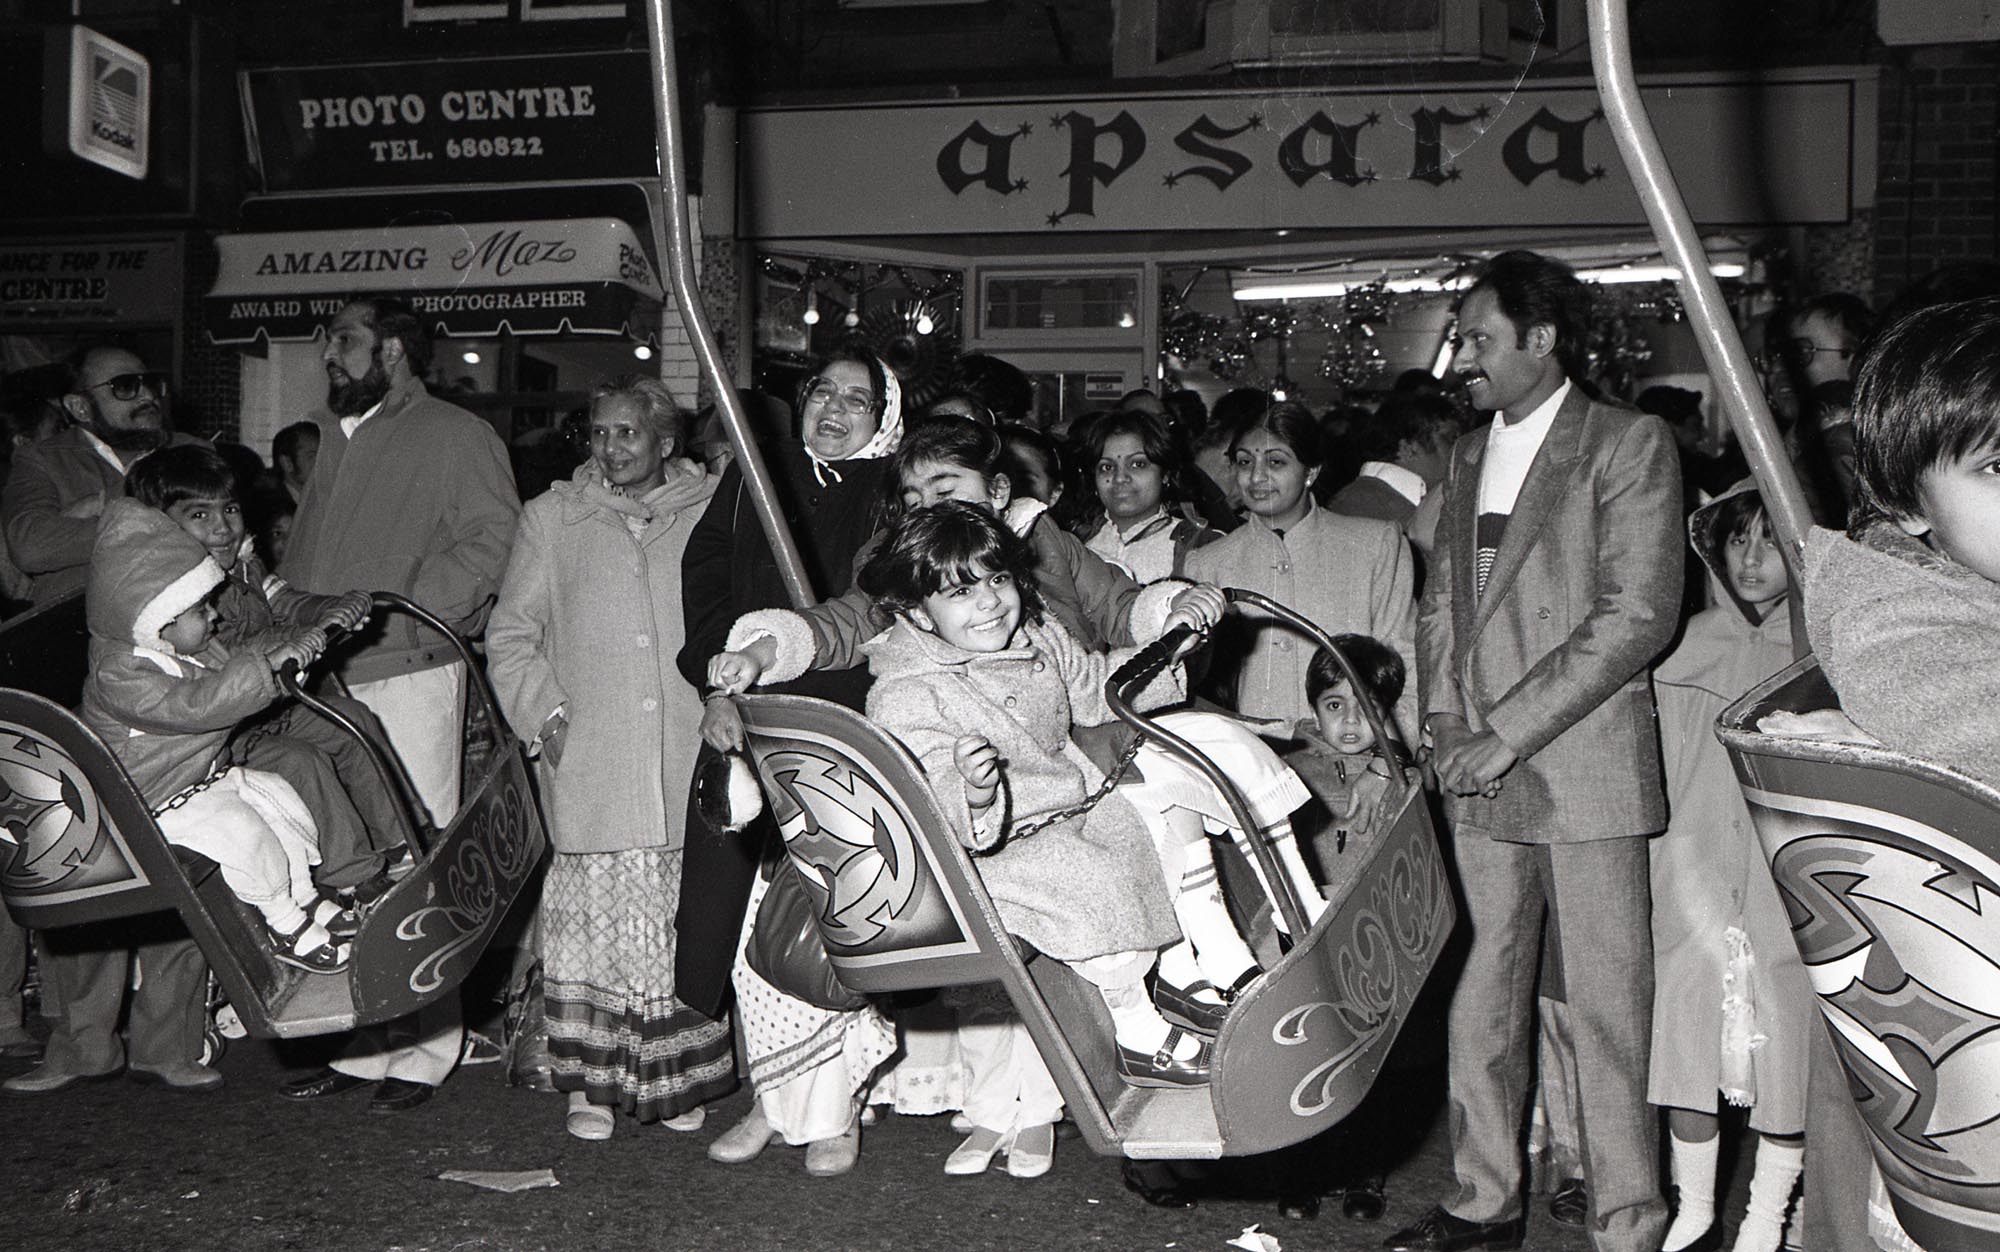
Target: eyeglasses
[
  {"x": 127, "y": 386},
  {"x": 1806, "y": 349},
  {"x": 853, "y": 403}
]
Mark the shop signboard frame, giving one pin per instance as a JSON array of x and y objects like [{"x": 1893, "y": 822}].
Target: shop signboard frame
[
  {"x": 109, "y": 282},
  {"x": 561, "y": 118},
  {"x": 1437, "y": 156},
  {"x": 100, "y": 109}
]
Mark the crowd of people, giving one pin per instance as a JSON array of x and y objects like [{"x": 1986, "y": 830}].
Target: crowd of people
[{"x": 1549, "y": 596}]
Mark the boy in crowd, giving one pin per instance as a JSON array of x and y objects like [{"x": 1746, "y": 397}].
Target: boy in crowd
[
  {"x": 355, "y": 812},
  {"x": 1904, "y": 611}
]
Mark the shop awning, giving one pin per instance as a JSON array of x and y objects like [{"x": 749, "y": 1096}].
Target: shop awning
[{"x": 585, "y": 276}]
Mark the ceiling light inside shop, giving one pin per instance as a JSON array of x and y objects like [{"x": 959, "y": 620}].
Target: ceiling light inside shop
[
  {"x": 470, "y": 357},
  {"x": 924, "y": 324},
  {"x": 642, "y": 352},
  {"x": 811, "y": 317}
]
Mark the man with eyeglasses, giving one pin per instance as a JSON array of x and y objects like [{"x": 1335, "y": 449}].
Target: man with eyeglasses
[
  {"x": 118, "y": 411},
  {"x": 1821, "y": 347}
]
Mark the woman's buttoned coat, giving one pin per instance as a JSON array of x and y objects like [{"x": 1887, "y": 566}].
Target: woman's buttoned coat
[
  {"x": 589, "y": 621},
  {"x": 1346, "y": 574}
]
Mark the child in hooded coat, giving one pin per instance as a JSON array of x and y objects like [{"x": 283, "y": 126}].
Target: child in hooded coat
[
  {"x": 1731, "y": 1005},
  {"x": 165, "y": 694}
]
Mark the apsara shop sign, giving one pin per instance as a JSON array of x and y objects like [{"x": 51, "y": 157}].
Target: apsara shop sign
[
  {"x": 1500, "y": 154},
  {"x": 539, "y": 119}
]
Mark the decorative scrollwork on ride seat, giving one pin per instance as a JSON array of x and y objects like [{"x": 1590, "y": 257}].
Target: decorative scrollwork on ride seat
[
  {"x": 1397, "y": 927},
  {"x": 494, "y": 854},
  {"x": 1901, "y": 938},
  {"x": 50, "y": 819}
]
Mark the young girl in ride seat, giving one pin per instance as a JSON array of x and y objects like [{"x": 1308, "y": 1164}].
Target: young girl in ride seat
[
  {"x": 1098, "y": 605},
  {"x": 164, "y": 694}
]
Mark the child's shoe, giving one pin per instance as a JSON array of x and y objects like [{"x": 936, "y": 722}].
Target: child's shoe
[
  {"x": 309, "y": 947},
  {"x": 1162, "y": 1069},
  {"x": 341, "y": 922},
  {"x": 1031, "y": 1152}
]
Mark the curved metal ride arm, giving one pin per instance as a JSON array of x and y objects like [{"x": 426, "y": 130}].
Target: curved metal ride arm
[
  {"x": 1721, "y": 346},
  {"x": 1133, "y": 676},
  {"x": 687, "y": 297},
  {"x": 418, "y": 830}
]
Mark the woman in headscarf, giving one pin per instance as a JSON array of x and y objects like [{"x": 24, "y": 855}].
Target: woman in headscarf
[
  {"x": 591, "y": 599},
  {"x": 808, "y": 1066}
]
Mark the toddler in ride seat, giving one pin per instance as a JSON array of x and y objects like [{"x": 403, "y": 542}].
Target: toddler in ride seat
[
  {"x": 348, "y": 798},
  {"x": 1348, "y": 772},
  {"x": 164, "y": 694}
]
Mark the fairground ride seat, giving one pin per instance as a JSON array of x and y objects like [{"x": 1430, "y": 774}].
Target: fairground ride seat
[
  {"x": 1890, "y": 867},
  {"x": 79, "y": 845},
  {"x": 901, "y": 907}
]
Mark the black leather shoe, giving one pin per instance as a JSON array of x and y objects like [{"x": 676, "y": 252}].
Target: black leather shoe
[
  {"x": 1157, "y": 1184},
  {"x": 1439, "y": 1231},
  {"x": 1178, "y": 1005},
  {"x": 1709, "y": 1240},
  {"x": 1161, "y": 1069},
  {"x": 322, "y": 1082},
  {"x": 1570, "y": 1205},
  {"x": 1298, "y": 1206},
  {"x": 399, "y": 1095},
  {"x": 1364, "y": 1201}
]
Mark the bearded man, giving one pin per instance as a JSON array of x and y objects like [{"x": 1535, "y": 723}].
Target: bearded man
[
  {"x": 412, "y": 495},
  {"x": 58, "y": 487}
]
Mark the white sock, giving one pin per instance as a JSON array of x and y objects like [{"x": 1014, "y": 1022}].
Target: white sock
[
  {"x": 1179, "y": 967},
  {"x": 1771, "y": 1185},
  {"x": 281, "y": 914},
  {"x": 1285, "y": 843},
  {"x": 1694, "y": 1175},
  {"x": 1205, "y": 920},
  {"x": 1138, "y": 1024}
]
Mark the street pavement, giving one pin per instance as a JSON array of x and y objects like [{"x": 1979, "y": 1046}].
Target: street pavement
[{"x": 122, "y": 1166}]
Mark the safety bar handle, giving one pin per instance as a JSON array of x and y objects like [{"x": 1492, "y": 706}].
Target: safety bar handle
[{"x": 1133, "y": 676}]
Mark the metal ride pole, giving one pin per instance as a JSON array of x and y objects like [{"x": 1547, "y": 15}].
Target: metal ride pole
[
  {"x": 1721, "y": 346},
  {"x": 680, "y": 273}
]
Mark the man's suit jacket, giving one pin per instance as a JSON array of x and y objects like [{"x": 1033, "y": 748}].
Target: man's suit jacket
[
  {"x": 1584, "y": 593},
  {"x": 49, "y": 479}
]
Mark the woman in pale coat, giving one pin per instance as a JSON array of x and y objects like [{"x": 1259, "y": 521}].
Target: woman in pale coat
[
  {"x": 1347, "y": 574},
  {"x": 581, "y": 649}
]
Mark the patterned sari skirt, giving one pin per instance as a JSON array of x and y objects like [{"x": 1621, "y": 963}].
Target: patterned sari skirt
[{"x": 615, "y": 1029}]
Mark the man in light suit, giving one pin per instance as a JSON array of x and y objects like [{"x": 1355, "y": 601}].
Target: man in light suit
[{"x": 1555, "y": 581}]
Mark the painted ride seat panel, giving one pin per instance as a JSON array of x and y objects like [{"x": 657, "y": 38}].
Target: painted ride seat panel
[
  {"x": 1890, "y": 867},
  {"x": 901, "y": 908}
]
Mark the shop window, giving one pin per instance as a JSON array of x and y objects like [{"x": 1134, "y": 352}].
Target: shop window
[{"x": 1068, "y": 302}]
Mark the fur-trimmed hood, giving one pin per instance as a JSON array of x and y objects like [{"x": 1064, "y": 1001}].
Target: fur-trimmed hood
[{"x": 144, "y": 572}]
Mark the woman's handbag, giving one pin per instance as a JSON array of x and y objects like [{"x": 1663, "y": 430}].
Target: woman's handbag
[{"x": 785, "y": 947}]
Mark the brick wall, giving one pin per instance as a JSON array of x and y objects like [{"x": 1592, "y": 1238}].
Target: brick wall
[{"x": 1940, "y": 132}]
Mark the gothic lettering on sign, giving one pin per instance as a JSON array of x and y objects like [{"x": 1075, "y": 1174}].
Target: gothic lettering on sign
[
  {"x": 1343, "y": 149},
  {"x": 1430, "y": 165},
  {"x": 1085, "y": 172},
  {"x": 993, "y": 170},
  {"x": 1200, "y": 138},
  {"x": 1568, "y": 162}
]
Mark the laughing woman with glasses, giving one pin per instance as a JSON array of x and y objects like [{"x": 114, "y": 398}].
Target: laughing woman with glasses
[{"x": 808, "y": 1065}]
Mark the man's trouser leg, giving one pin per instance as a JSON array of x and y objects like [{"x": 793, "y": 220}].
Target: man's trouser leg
[
  {"x": 13, "y": 972},
  {"x": 168, "y": 1009},
  {"x": 90, "y": 985},
  {"x": 1839, "y": 1161},
  {"x": 1601, "y": 902},
  {"x": 423, "y": 715},
  {"x": 1491, "y": 1024}
]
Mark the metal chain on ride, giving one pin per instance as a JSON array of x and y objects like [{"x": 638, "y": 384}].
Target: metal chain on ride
[
  {"x": 1089, "y": 802},
  {"x": 185, "y": 794}
]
